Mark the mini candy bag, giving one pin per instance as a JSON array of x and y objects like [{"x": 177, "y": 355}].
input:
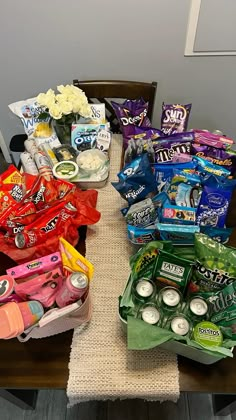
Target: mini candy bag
[{"x": 174, "y": 118}]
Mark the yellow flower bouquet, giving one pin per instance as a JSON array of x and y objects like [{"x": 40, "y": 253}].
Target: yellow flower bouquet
[{"x": 65, "y": 108}]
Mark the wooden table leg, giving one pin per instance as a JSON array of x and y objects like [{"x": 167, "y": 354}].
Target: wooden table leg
[
  {"x": 224, "y": 404},
  {"x": 23, "y": 398}
]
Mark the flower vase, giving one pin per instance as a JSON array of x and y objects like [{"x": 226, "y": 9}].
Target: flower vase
[{"x": 63, "y": 131}]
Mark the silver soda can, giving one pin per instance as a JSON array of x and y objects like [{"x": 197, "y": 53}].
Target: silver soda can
[
  {"x": 169, "y": 299},
  {"x": 179, "y": 324},
  {"x": 74, "y": 288},
  {"x": 143, "y": 290},
  {"x": 150, "y": 313},
  {"x": 30, "y": 146},
  {"x": 197, "y": 308},
  {"x": 28, "y": 163}
]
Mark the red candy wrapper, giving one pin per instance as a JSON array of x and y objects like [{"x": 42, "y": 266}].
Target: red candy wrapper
[{"x": 49, "y": 209}]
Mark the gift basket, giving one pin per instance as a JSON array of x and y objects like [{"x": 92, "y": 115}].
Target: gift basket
[
  {"x": 178, "y": 185},
  {"x": 41, "y": 209},
  {"x": 67, "y": 136}
]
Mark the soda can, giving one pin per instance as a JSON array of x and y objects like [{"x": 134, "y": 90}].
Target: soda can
[
  {"x": 28, "y": 164},
  {"x": 143, "y": 290},
  {"x": 30, "y": 238},
  {"x": 169, "y": 299},
  {"x": 179, "y": 324},
  {"x": 150, "y": 313},
  {"x": 30, "y": 147},
  {"x": 74, "y": 288},
  {"x": 197, "y": 308},
  {"x": 7, "y": 284},
  {"x": 66, "y": 213}
]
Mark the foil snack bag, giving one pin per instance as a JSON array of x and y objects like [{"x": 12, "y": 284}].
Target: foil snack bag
[
  {"x": 36, "y": 121},
  {"x": 131, "y": 113},
  {"x": 215, "y": 266},
  {"x": 174, "y": 118}
]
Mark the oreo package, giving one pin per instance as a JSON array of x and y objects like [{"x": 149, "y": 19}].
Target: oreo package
[
  {"x": 131, "y": 113},
  {"x": 164, "y": 173},
  {"x": 174, "y": 118}
]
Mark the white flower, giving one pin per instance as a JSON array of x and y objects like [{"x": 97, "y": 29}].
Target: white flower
[
  {"x": 66, "y": 107},
  {"x": 55, "y": 111}
]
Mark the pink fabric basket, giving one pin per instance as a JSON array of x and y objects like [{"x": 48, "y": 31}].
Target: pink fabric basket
[{"x": 67, "y": 322}]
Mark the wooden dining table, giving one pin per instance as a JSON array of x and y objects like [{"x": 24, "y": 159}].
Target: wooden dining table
[{"x": 43, "y": 363}]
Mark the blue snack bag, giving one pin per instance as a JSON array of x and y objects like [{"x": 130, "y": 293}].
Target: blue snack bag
[
  {"x": 218, "y": 234},
  {"x": 139, "y": 166},
  {"x": 185, "y": 189},
  {"x": 179, "y": 234},
  {"x": 164, "y": 173},
  {"x": 140, "y": 236},
  {"x": 204, "y": 167},
  {"x": 214, "y": 203},
  {"x": 133, "y": 191}
]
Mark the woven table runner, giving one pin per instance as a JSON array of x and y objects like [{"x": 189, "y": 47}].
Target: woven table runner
[{"x": 100, "y": 365}]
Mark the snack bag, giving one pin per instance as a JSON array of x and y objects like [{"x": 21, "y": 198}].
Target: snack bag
[
  {"x": 143, "y": 133},
  {"x": 174, "y": 118},
  {"x": 136, "y": 180},
  {"x": 142, "y": 235},
  {"x": 179, "y": 234},
  {"x": 36, "y": 121},
  {"x": 73, "y": 261},
  {"x": 204, "y": 167},
  {"x": 214, "y": 203},
  {"x": 215, "y": 266},
  {"x": 225, "y": 158},
  {"x": 224, "y": 308},
  {"x": 171, "y": 270},
  {"x": 212, "y": 139},
  {"x": 142, "y": 263},
  {"x": 185, "y": 189},
  {"x": 218, "y": 234},
  {"x": 131, "y": 113},
  {"x": 165, "y": 148},
  {"x": 164, "y": 173},
  {"x": 141, "y": 214}
]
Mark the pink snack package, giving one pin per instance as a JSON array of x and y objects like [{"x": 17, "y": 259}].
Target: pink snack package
[
  {"x": 32, "y": 268},
  {"x": 211, "y": 139},
  {"x": 43, "y": 288}
]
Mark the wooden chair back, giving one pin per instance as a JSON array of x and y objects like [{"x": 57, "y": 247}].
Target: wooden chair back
[{"x": 102, "y": 91}]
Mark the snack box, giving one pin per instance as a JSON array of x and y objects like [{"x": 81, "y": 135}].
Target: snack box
[{"x": 179, "y": 348}]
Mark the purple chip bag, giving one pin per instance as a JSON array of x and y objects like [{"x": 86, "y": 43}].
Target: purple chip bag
[
  {"x": 225, "y": 158},
  {"x": 166, "y": 147},
  {"x": 174, "y": 118},
  {"x": 131, "y": 113},
  {"x": 142, "y": 133}
]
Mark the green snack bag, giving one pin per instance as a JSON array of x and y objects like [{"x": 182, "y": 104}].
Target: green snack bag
[
  {"x": 224, "y": 308},
  {"x": 215, "y": 266},
  {"x": 171, "y": 270},
  {"x": 142, "y": 263}
]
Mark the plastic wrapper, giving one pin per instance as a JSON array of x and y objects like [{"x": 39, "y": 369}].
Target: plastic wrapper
[
  {"x": 131, "y": 113},
  {"x": 174, "y": 118}
]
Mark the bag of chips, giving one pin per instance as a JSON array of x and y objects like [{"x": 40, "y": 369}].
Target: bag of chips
[
  {"x": 131, "y": 113},
  {"x": 215, "y": 266},
  {"x": 36, "y": 121},
  {"x": 174, "y": 118}
]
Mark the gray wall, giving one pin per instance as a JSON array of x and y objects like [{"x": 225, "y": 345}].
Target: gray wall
[{"x": 46, "y": 43}]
